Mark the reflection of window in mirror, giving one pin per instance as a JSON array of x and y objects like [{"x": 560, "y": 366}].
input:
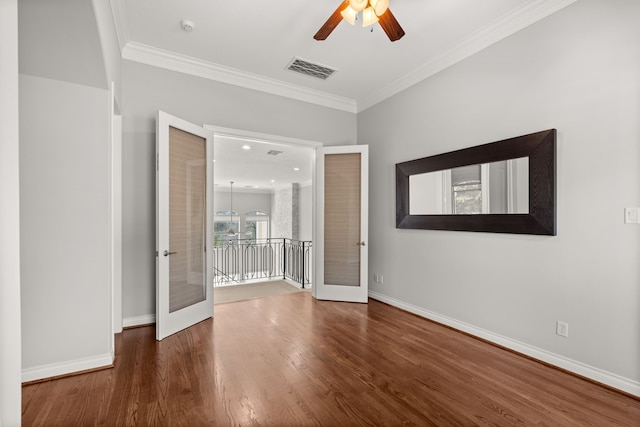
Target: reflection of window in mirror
[
  {"x": 490, "y": 188},
  {"x": 256, "y": 225},
  {"x": 466, "y": 190}
]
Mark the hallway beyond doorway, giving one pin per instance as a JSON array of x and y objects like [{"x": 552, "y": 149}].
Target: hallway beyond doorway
[{"x": 235, "y": 293}]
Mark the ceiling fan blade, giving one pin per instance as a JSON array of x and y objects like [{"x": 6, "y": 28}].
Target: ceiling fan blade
[
  {"x": 390, "y": 25},
  {"x": 331, "y": 23}
]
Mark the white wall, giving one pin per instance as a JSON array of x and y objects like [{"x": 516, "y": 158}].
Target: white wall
[
  {"x": 146, "y": 89},
  {"x": 10, "y": 345},
  {"x": 578, "y": 71},
  {"x": 65, "y": 253}
]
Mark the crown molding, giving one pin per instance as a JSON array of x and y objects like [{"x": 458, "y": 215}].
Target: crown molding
[
  {"x": 196, "y": 67},
  {"x": 499, "y": 29}
]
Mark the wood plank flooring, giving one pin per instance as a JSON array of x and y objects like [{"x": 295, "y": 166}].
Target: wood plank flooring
[{"x": 290, "y": 360}]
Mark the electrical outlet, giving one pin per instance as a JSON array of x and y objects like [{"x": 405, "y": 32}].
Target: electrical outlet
[
  {"x": 380, "y": 279},
  {"x": 375, "y": 278},
  {"x": 632, "y": 215},
  {"x": 562, "y": 329}
]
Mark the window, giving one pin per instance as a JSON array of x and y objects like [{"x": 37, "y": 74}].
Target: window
[
  {"x": 256, "y": 224},
  {"x": 226, "y": 225},
  {"x": 467, "y": 197}
]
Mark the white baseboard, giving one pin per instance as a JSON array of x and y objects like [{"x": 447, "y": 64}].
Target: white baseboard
[
  {"x": 147, "y": 319},
  {"x": 64, "y": 368},
  {"x": 599, "y": 375}
]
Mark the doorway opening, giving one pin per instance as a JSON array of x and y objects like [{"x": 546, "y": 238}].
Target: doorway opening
[{"x": 263, "y": 204}]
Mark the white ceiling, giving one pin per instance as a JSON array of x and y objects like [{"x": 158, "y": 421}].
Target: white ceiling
[{"x": 256, "y": 171}]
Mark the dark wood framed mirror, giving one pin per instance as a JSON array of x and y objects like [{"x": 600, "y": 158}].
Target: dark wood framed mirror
[{"x": 507, "y": 186}]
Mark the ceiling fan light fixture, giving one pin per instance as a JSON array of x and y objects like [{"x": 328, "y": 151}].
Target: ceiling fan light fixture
[
  {"x": 380, "y": 6},
  {"x": 369, "y": 17},
  {"x": 349, "y": 14},
  {"x": 372, "y": 11},
  {"x": 358, "y": 5}
]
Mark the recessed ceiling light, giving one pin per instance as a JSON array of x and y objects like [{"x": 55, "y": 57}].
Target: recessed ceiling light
[
  {"x": 273, "y": 180},
  {"x": 296, "y": 169},
  {"x": 246, "y": 147}
]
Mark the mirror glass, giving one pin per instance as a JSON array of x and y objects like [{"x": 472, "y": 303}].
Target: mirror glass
[{"x": 489, "y": 188}]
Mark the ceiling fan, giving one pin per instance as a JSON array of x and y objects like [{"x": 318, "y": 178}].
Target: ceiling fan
[{"x": 371, "y": 11}]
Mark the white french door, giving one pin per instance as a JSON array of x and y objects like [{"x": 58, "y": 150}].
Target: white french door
[
  {"x": 342, "y": 221},
  {"x": 184, "y": 214}
]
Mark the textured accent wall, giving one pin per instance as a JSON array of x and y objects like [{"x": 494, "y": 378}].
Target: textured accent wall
[
  {"x": 295, "y": 223},
  {"x": 282, "y": 218}
]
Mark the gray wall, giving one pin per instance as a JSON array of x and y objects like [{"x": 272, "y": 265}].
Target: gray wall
[
  {"x": 576, "y": 71},
  {"x": 145, "y": 90},
  {"x": 64, "y": 230},
  {"x": 61, "y": 40}
]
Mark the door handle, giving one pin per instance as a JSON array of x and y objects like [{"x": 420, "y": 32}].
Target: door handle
[
  {"x": 361, "y": 244},
  {"x": 167, "y": 253}
]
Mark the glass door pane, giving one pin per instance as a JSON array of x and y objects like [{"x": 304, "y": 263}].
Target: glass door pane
[
  {"x": 187, "y": 219},
  {"x": 342, "y": 219}
]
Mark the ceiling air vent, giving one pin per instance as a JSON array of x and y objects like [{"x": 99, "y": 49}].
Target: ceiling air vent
[
  {"x": 274, "y": 152},
  {"x": 310, "y": 69}
]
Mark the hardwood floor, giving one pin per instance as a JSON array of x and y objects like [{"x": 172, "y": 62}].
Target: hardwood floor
[{"x": 291, "y": 360}]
